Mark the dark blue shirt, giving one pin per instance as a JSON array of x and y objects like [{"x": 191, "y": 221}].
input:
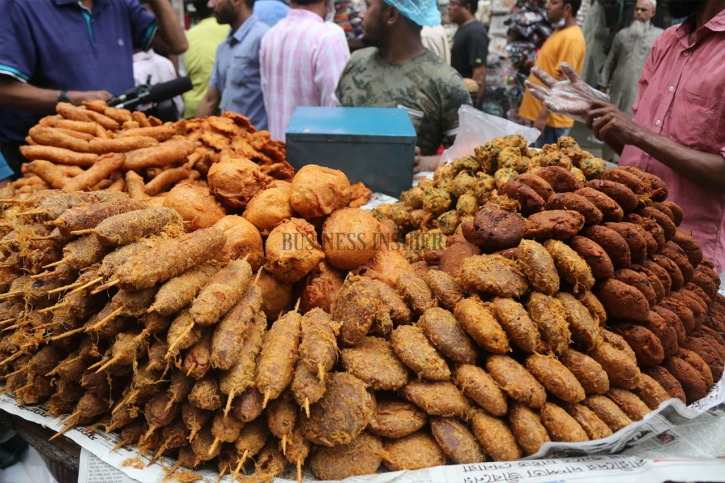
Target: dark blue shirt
[{"x": 59, "y": 44}]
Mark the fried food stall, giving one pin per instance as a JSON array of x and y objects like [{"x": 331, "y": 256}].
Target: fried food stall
[{"x": 182, "y": 294}]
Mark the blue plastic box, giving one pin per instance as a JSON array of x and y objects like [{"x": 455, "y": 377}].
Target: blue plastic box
[{"x": 370, "y": 144}]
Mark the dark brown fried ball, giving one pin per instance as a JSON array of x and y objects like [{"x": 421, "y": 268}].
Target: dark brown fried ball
[
  {"x": 413, "y": 452},
  {"x": 397, "y": 419},
  {"x": 611, "y": 211},
  {"x": 584, "y": 329},
  {"x": 494, "y": 228},
  {"x": 557, "y": 224},
  {"x": 622, "y": 301},
  {"x": 374, "y": 362},
  {"x": 668, "y": 382},
  {"x": 361, "y": 456},
  {"x": 651, "y": 392},
  {"x": 573, "y": 202},
  {"x": 617, "y": 191},
  {"x": 343, "y": 412}
]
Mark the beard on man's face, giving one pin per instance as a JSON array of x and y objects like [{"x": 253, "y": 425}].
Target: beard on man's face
[{"x": 683, "y": 8}]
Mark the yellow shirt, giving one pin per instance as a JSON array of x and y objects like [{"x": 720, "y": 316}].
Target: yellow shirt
[
  {"x": 565, "y": 45},
  {"x": 203, "y": 38}
]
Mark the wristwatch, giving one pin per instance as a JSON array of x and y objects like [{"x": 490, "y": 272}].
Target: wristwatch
[{"x": 62, "y": 97}]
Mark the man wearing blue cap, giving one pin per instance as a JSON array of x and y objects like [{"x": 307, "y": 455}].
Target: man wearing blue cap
[{"x": 398, "y": 71}]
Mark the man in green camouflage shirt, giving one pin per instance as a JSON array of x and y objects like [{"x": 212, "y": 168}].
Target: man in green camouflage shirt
[{"x": 398, "y": 71}]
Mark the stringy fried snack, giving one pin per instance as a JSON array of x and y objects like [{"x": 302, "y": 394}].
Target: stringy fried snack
[
  {"x": 456, "y": 440},
  {"x": 318, "y": 191},
  {"x": 479, "y": 322},
  {"x": 292, "y": 250},
  {"x": 243, "y": 241},
  {"x": 448, "y": 335},
  {"x": 572, "y": 268},
  {"x": 269, "y": 208},
  {"x": 320, "y": 286},
  {"x": 417, "y": 352},
  {"x": 415, "y": 451},
  {"x": 557, "y": 379},
  {"x": 519, "y": 327},
  {"x": 538, "y": 266},
  {"x": 437, "y": 398},
  {"x": 196, "y": 205},
  {"x": 550, "y": 317},
  {"x": 349, "y": 238},
  {"x": 396, "y": 419},
  {"x": 374, "y": 362},
  {"x": 527, "y": 428},
  {"x": 235, "y": 181},
  {"x": 584, "y": 329},
  {"x": 480, "y": 386},
  {"x": 493, "y": 274},
  {"x": 588, "y": 372},
  {"x": 588, "y": 420},
  {"x": 494, "y": 435},
  {"x": 361, "y": 456},
  {"x": 515, "y": 380},
  {"x": 343, "y": 412},
  {"x": 560, "y": 425}
]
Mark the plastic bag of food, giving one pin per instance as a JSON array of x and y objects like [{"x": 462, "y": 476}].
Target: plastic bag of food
[
  {"x": 477, "y": 128},
  {"x": 571, "y": 96}
]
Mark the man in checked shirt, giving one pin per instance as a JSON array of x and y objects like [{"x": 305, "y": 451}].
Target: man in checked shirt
[{"x": 300, "y": 62}]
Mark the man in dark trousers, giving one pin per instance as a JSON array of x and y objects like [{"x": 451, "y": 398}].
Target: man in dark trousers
[{"x": 470, "y": 44}]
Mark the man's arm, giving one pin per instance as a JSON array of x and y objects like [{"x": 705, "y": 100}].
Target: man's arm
[
  {"x": 170, "y": 37},
  {"x": 209, "y": 105},
  {"x": 24, "y": 97},
  {"x": 429, "y": 163},
  {"x": 479, "y": 75},
  {"x": 614, "y": 127}
]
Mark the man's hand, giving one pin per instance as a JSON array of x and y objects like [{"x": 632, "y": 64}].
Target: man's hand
[
  {"x": 77, "y": 97},
  {"x": 611, "y": 125},
  {"x": 540, "y": 123},
  {"x": 425, "y": 163}
]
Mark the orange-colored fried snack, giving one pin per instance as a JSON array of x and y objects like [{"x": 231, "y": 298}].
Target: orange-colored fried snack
[
  {"x": 318, "y": 191},
  {"x": 69, "y": 111},
  {"x": 349, "y": 238},
  {"x": 276, "y": 295},
  {"x": 140, "y": 118},
  {"x": 121, "y": 145},
  {"x": 359, "y": 194},
  {"x": 166, "y": 179},
  {"x": 292, "y": 250},
  {"x": 100, "y": 170},
  {"x": 320, "y": 287},
  {"x": 240, "y": 121},
  {"x": 269, "y": 208},
  {"x": 164, "y": 154},
  {"x": 243, "y": 240},
  {"x": 160, "y": 133},
  {"x": 196, "y": 205},
  {"x": 235, "y": 181},
  {"x": 49, "y": 136},
  {"x": 386, "y": 266},
  {"x": 79, "y": 126},
  {"x": 76, "y": 134},
  {"x": 135, "y": 186},
  {"x": 48, "y": 172},
  {"x": 281, "y": 170}
]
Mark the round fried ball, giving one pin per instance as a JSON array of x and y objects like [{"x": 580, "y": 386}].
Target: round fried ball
[
  {"x": 292, "y": 250},
  {"x": 235, "y": 181},
  {"x": 349, "y": 237},
  {"x": 243, "y": 240},
  {"x": 196, "y": 205},
  {"x": 386, "y": 266},
  {"x": 318, "y": 191},
  {"x": 320, "y": 287},
  {"x": 343, "y": 412},
  {"x": 269, "y": 208},
  {"x": 276, "y": 295}
]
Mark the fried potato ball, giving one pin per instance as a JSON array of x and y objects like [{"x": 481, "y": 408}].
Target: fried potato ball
[
  {"x": 318, "y": 191},
  {"x": 269, "y": 208},
  {"x": 196, "y": 205},
  {"x": 292, "y": 250},
  {"x": 235, "y": 181},
  {"x": 386, "y": 266},
  {"x": 349, "y": 238},
  {"x": 243, "y": 240}
]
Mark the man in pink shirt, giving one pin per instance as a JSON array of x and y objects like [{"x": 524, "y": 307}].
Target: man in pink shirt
[
  {"x": 301, "y": 60},
  {"x": 678, "y": 128}
]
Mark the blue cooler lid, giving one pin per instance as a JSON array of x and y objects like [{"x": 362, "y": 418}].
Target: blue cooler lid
[{"x": 385, "y": 124}]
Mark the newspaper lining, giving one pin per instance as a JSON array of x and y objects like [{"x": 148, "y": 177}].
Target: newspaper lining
[{"x": 692, "y": 436}]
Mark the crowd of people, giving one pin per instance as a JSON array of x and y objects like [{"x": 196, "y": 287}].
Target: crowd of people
[{"x": 264, "y": 58}]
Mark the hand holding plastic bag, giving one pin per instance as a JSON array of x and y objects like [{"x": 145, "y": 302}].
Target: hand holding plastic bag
[{"x": 571, "y": 96}]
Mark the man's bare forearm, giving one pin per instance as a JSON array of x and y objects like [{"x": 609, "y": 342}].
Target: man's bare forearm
[
  {"x": 705, "y": 169},
  {"x": 24, "y": 97},
  {"x": 170, "y": 36}
]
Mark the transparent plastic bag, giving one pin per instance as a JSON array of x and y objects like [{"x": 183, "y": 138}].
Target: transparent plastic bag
[
  {"x": 572, "y": 96},
  {"x": 477, "y": 128}
]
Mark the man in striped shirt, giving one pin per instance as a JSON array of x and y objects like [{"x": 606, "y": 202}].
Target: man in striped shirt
[{"x": 301, "y": 60}]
